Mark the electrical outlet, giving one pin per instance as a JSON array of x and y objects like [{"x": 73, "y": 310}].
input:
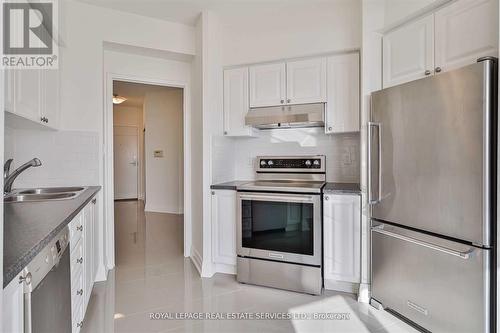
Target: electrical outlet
[{"x": 158, "y": 153}]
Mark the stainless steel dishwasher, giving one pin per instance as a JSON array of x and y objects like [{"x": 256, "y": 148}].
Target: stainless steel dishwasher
[{"x": 47, "y": 289}]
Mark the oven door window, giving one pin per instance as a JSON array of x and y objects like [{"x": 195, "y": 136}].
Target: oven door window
[{"x": 278, "y": 226}]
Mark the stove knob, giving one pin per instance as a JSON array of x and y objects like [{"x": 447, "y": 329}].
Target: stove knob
[
  {"x": 270, "y": 163},
  {"x": 262, "y": 162},
  {"x": 316, "y": 162},
  {"x": 308, "y": 163}
]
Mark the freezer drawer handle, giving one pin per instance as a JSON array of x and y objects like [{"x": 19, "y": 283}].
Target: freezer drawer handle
[{"x": 463, "y": 255}]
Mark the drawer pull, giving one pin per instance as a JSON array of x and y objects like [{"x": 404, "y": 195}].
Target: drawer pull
[
  {"x": 80, "y": 324},
  {"x": 464, "y": 255},
  {"x": 80, "y": 228},
  {"x": 79, "y": 292},
  {"x": 80, "y": 261}
]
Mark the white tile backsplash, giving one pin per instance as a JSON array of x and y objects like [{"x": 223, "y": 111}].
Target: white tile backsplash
[
  {"x": 68, "y": 157},
  {"x": 234, "y": 158}
]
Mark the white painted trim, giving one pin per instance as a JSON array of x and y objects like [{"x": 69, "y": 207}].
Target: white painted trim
[
  {"x": 166, "y": 210},
  {"x": 348, "y": 287},
  {"x": 225, "y": 268},
  {"x": 108, "y": 158},
  {"x": 364, "y": 293},
  {"x": 138, "y": 132},
  {"x": 196, "y": 259}
]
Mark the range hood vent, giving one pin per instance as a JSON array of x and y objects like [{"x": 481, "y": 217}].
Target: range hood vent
[{"x": 289, "y": 116}]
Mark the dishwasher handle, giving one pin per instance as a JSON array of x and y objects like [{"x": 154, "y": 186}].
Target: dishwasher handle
[{"x": 463, "y": 255}]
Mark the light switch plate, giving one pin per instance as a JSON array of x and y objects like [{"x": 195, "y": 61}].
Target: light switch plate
[{"x": 158, "y": 153}]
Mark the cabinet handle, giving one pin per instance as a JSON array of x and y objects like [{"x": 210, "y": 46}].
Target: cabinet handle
[
  {"x": 79, "y": 292},
  {"x": 213, "y": 192},
  {"x": 80, "y": 261},
  {"x": 288, "y": 100},
  {"x": 282, "y": 101},
  {"x": 438, "y": 69},
  {"x": 330, "y": 128},
  {"x": 94, "y": 201},
  {"x": 427, "y": 72},
  {"x": 26, "y": 279},
  {"x": 225, "y": 132},
  {"x": 80, "y": 228},
  {"x": 80, "y": 324},
  {"x": 47, "y": 120},
  {"x": 327, "y": 198}
]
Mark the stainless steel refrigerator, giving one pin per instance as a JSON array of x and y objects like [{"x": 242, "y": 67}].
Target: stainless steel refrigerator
[{"x": 432, "y": 188}]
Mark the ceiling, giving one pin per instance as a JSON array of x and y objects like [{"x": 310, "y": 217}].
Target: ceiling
[
  {"x": 134, "y": 92},
  {"x": 188, "y": 11}
]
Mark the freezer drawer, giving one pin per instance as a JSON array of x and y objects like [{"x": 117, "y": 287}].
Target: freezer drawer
[{"x": 441, "y": 285}]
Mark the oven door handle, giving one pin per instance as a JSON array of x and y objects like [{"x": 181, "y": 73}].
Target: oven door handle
[{"x": 306, "y": 198}]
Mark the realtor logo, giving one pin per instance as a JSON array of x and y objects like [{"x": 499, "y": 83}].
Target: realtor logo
[{"x": 28, "y": 34}]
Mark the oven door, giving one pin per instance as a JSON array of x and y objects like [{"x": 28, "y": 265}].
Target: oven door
[{"x": 280, "y": 227}]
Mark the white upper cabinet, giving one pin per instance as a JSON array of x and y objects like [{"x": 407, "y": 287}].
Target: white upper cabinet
[
  {"x": 28, "y": 93},
  {"x": 408, "y": 52},
  {"x": 267, "y": 85},
  {"x": 465, "y": 31},
  {"x": 342, "y": 241},
  {"x": 50, "y": 98},
  {"x": 342, "y": 107},
  {"x": 306, "y": 81},
  {"x": 236, "y": 102}
]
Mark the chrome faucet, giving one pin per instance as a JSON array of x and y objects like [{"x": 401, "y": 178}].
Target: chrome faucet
[{"x": 8, "y": 178}]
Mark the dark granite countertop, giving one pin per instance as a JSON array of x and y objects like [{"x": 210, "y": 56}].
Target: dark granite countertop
[
  {"x": 352, "y": 188},
  {"x": 30, "y": 226},
  {"x": 228, "y": 185}
]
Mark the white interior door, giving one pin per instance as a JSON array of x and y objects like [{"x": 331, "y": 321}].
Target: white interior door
[{"x": 125, "y": 162}]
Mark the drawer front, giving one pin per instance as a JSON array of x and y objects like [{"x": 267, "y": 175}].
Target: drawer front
[
  {"x": 75, "y": 230},
  {"x": 77, "y": 260},
  {"x": 438, "y": 284},
  {"x": 77, "y": 291}
]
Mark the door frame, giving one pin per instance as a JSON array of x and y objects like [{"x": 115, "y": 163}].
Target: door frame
[
  {"x": 108, "y": 172},
  {"x": 139, "y": 161}
]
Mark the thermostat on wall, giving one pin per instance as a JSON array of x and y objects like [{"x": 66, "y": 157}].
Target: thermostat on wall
[{"x": 158, "y": 153}]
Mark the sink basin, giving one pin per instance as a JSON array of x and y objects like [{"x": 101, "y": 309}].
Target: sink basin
[
  {"x": 39, "y": 197},
  {"x": 50, "y": 190}
]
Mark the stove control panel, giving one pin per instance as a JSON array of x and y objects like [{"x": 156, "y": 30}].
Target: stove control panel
[{"x": 291, "y": 164}]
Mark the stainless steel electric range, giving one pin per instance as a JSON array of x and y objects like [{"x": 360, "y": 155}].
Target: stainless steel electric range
[{"x": 279, "y": 224}]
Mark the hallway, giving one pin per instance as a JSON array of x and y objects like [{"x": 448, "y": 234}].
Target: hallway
[{"x": 151, "y": 275}]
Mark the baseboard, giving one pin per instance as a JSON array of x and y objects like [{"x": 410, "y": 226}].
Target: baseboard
[
  {"x": 225, "y": 268},
  {"x": 196, "y": 259},
  {"x": 364, "y": 294},
  {"x": 347, "y": 287}
]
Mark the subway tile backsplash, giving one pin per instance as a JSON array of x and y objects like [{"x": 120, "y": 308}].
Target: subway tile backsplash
[
  {"x": 234, "y": 158},
  {"x": 68, "y": 157}
]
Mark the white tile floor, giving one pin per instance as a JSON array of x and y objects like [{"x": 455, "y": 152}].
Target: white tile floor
[{"x": 151, "y": 275}]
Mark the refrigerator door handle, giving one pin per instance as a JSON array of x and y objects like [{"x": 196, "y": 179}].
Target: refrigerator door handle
[
  {"x": 464, "y": 255},
  {"x": 372, "y": 200}
]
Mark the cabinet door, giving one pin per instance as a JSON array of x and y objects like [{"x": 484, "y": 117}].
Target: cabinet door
[
  {"x": 465, "y": 31},
  {"x": 236, "y": 103},
  {"x": 224, "y": 226},
  {"x": 88, "y": 246},
  {"x": 342, "y": 237},
  {"x": 13, "y": 307},
  {"x": 408, "y": 52},
  {"x": 267, "y": 85},
  {"x": 342, "y": 106},
  {"x": 28, "y": 94},
  {"x": 306, "y": 81},
  {"x": 50, "y": 97},
  {"x": 9, "y": 84}
]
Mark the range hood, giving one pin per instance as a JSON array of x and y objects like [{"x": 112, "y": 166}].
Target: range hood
[{"x": 289, "y": 116}]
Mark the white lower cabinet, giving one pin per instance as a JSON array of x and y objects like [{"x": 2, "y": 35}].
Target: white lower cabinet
[
  {"x": 82, "y": 255},
  {"x": 342, "y": 241},
  {"x": 13, "y": 307},
  {"x": 224, "y": 230}
]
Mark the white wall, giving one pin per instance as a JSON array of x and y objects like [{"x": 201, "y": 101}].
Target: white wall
[
  {"x": 164, "y": 175},
  {"x": 133, "y": 116}
]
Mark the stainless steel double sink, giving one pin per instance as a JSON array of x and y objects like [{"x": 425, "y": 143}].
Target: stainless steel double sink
[{"x": 43, "y": 194}]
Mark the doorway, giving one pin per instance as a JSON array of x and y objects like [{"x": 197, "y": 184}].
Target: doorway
[{"x": 147, "y": 126}]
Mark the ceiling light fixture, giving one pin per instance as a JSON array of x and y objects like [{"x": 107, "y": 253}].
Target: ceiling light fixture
[{"x": 118, "y": 99}]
